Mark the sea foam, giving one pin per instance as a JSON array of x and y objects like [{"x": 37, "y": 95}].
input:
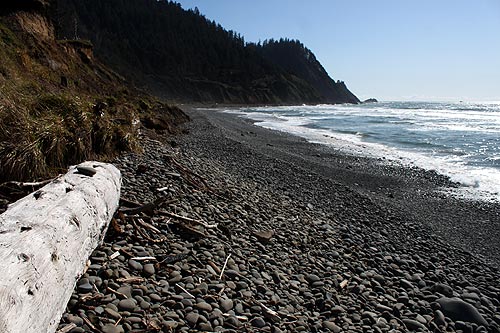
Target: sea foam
[{"x": 461, "y": 141}]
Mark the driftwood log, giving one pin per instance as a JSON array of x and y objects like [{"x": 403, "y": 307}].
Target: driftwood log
[{"x": 45, "y": 241}]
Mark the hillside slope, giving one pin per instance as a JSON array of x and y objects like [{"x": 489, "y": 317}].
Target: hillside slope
[
  {"x": 180, "y": 55},
  {"x": 293, "y": 57},
  {"x": 58, "y": 105}
]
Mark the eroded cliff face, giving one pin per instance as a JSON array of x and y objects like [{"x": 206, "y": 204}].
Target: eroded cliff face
[
  {"x": 60, "y": 106},
  {"x": 34, "y": 23}
]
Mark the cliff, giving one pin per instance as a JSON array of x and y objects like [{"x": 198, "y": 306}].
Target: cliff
[
  {"x": 58, "y": 104},
  {"x": 182, "y": 56},
  {"x": 293, "y": 57}
]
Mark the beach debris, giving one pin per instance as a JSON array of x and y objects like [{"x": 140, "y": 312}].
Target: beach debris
[
  {"x": 221, "y": 277},
  {"x": 47, "y": 239},
  {"x": 224, "y": 267}
]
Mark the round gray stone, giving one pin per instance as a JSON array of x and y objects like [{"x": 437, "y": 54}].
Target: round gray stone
[
  {"x": 457, "y": 309},
  {"x": 192, "y": 318},
  {"x": 127, "y": 304},
  {"x": 149, "y": 269},
  {"x": 135, "y": 265},
  {"x": 226, "y": 304}
]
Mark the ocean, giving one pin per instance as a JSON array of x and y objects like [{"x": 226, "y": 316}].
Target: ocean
[{"x": 459, "y": 140}]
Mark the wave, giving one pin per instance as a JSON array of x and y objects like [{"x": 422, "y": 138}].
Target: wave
[{"x": 459, "y": 141}]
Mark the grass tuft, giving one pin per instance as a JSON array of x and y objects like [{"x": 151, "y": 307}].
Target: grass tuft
[{"x": 57, "y": 130}]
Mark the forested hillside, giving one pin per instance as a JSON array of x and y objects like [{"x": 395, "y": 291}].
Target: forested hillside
[
  {"x": 58, "y": 104},
  {"x": 293, "y": 57},
  {"x": 182, "y": 56}
]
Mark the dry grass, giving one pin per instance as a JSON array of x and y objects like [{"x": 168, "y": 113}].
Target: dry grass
[
  {"x": 46, "y": 126},
  {"x": 53, "y": 131}
]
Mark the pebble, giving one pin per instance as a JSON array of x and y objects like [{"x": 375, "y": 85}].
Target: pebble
[
  {"x": 126, "y": 290},
  {"x": 127, "y": 304},
  {"x": 112, "y": 313},
  {"x": 457, "y": 309},
  {"x": 85, "y": 170},
  {"x": 258, "y": 322},
  {"x": 443, "y": 289},
  {"x": 226, "y": 304},
  {"x": 344, "y": 265},
  {"x": 192, "y": 318},
  {"x": 439, "y": 318},
  {"x": 85, "y": 288},
  {"x": 110, "y": 328},
  {"x": 135, "y": 265},
  {"x": 149, "y": 269},
  {"x": 75, "y": 320},
  {"x": 331, "y": 326},
  {"x": 413, "y": 324},
  {"x": 311, "y": 278},
  {"x": 204, "y": 306}
]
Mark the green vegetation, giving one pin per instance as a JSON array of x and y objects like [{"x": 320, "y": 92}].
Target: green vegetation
[
  {"x": 59, "y": 107},
  {"x": 181, "y": 55},
  {"x": 293, "y": 57}
]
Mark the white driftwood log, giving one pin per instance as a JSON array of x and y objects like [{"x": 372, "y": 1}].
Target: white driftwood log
[{"x": 45, "y": 241}]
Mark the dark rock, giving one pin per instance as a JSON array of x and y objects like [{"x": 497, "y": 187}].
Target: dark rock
[
  {"x": 406, "y": 284},
  {"x": 110, "y": 328},
  {"x": 135, "y": 265},
  {"x": 464, "y": 327},
  {"x": 85, "y": 288},
  {"x": 192, "y": 318},
  {"x": 204, "y": 306},
  {"x": 331, "y": 326},
  {"x": 149, "y": 269},
  {"x": 413, "y": 324},
  {"x": 75, "y": 320},
  {"x": 142, "y": 168},
  {"x": 443, "y": 289},
  {"x": 439, "y": 318},
  {"x": 144, "y": 305},
  {"x": 127, "y": 304},
  {"x": 170, "y": 324},
  {"x": 258, "y": 322},
  {"x": 112, "y": 313},
  {"x": 126, "y": 290},
  {"x": 311, "y": 278},
  {"x": 226, "y": 304},
  {"x": 456, "y": 309},
  {"x": 232, "y": 321}
]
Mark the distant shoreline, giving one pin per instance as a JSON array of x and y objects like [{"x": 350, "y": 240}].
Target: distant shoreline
[
  {"x": 252, "y": 227},
  {"x": 413, "y": 193}
]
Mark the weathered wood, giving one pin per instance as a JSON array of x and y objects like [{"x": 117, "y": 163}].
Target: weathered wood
[{"x": 45, "y": 241}]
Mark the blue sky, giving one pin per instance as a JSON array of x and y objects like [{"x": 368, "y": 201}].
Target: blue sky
[{"x": 387, "y": 49}]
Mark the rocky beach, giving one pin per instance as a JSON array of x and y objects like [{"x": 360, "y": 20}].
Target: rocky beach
[{"x": 235, "y": 228}]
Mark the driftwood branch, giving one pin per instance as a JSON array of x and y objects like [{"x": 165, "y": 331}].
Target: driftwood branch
[{"x": 187, "y": 219}]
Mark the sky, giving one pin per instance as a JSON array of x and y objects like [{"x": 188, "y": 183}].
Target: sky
[{"x": 386, "y": 49}]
